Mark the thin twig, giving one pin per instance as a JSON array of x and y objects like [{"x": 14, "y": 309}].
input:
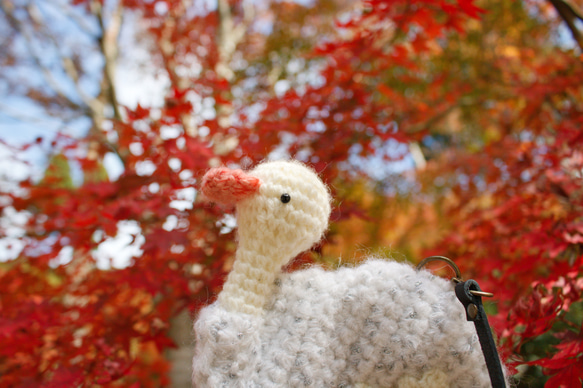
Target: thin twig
[
  {"x": 80, "y": 22},
  {"x": 48, "y": 75},
  {"x": 67, "y": 64}
]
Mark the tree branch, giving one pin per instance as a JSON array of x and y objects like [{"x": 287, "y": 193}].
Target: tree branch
[
  {"x": 230, "y": 35},
  {"x": 93, "y": 104},
  {"x": 570, "y": 14},
  {"x": 109, "y": 47},
  {"x": 71, "y": 15},
  {"x": 8, "y": 9}
]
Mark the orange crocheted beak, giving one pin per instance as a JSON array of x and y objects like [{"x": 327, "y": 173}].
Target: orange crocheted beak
[{"x": 228, "y": 186}]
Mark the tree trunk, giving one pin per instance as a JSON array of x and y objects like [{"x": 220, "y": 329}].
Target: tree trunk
[{"x": 180, "y": 358}]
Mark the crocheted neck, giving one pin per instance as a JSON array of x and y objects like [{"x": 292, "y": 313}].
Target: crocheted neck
[{"x": 252, "y": 278}]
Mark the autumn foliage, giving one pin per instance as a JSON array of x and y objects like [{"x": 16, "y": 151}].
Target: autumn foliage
[{"x": 449, "y": 127}]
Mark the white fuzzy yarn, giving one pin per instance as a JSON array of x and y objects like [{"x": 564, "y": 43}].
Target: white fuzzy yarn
[{"x": 381, "y": 324}]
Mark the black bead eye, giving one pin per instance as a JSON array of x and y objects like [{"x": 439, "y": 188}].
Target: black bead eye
[{"x": 285, "y": 198}]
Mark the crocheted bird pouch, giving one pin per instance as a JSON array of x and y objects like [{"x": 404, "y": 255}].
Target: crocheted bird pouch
[{"x": 381, "y": 324}]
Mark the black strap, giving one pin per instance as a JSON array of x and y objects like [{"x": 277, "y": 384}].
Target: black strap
[{"x": 475, "y": 312}]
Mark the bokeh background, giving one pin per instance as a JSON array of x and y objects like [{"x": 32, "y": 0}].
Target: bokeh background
[{"x": 449, "y": 127}]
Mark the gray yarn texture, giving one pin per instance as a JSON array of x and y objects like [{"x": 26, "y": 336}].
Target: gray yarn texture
[{"x": 370, "y": 325}]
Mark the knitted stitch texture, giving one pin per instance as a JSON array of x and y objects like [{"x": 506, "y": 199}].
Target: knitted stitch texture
[
  {"x": 381, "y": 324},
  {"x": 271, "y": 232}
]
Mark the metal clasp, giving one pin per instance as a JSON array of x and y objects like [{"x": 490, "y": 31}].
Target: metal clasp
[{"x": 458, "y": 274}]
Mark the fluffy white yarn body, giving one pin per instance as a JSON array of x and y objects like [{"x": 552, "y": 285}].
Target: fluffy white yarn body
[{"x": 381, "y": 324}]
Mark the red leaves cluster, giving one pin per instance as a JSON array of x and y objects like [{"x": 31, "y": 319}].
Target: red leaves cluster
[
  {"x": 544, "y": 308},
  {"x": 517, "y": 218},
  {"x": 65, "y": 325},
  {"x": 54, "y": 334}
]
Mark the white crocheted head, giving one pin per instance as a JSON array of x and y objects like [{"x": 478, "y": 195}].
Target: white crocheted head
[
  {"x": 282, "y": 207},
  {"x": 282, "y": 210}
]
